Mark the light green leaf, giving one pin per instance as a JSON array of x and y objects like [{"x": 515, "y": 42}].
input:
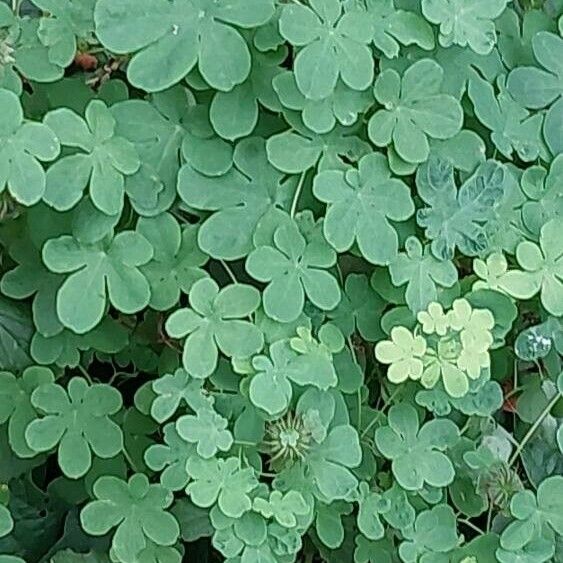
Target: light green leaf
[
  {"x": 465, "y": 24},
  {"x": 294, "y": 268},
  {"x": 214, "y": 323},
  {"x": 23, "y": 144},
  {"x": 169, "y": 38},
  {"x": 76, "y": 421},
  {"x": 138, "y": 511},
  {"x": 102, "y": 163},
  {"x": 96, "y": 273},
  {"x": 415, "y": 110},
  {"x": 417, "y": 453},
  {"x": 423, "y": 273},
  {"x": 360, "y": 204}
]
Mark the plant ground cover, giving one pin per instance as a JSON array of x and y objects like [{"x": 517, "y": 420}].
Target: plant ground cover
[{"x": 281, "y": 281}]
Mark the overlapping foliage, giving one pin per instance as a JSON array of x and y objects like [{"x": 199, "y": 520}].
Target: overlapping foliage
[{"x": 281, "y": 280}]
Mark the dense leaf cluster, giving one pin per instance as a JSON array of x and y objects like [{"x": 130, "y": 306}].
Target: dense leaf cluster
[{"x": 281, "y": 280}]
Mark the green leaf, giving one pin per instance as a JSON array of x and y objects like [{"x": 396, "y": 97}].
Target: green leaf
[
  {"x": 31, "y": 56},
  {"x": 67, "y": 21},
  {"x": 174, "y": 389},
  {"x": 360, "y": 308},
  {"x": 16, "y": 329},
  {"x": 542, "y": 269},
  {"x": 30, "y": 277},
  {"x": 102, "y": 161},
  {"x": 423, "y": 273},
  {"x": 543, "y": 191},
  {"x": 532, "y": 513},
  {"x": 221, "y": 481},
  {"x": 405, "y": 353},
  {"x": 393, "y": 27},
  {"x": 401, "y": 513},
  {"x": 17, "y": 408},
  {"x": 371, "y": 551},
  {"x": 159, "y": 129},
  {"x": 465, "y": 24},
  {"x": 6, "y": 522},
  {"x": 77, "y": 422},
  {"x": 181, "y": 35},
  {"x": 108, "y": 269},
  {"x": 177, "y": 260},
  {"x": 171, "y": 458},
  {"x": 270, "y": 388},
  {"x": 538, "y": 88},
  {"x": 208, "y": 430},
  {"x": 24, "y": 145},
  {"x": 517, "y": 32},
  {"x": 417, "y": 452},
  {"x": 342, "y": 106},
  {"x": 64, "y": 349},
  {"x": 332, "y": 45},
  {"x": 434, "y": 532},
  {"x": 294, "y": 268},
  {"x": 214, "y": 323},
  {"x": 283, "y": 508},
  {"x": 457, "y": 218},
  {"x": 136, "y": 509},
  {"x": 234, "y": 114},
  {"x": 371, "y": 505},
  {"x": 299, "y": 149},
  {"x": 512, "y": 127},
  {"x": 250, "y": 192},
  {"x": 359, "y": 208},
  {"x": 326, "y": 469},
  {"x": 416, "y": 109}
]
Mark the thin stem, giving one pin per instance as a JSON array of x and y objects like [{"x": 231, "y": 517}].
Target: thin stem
[
  {"x": 514, "y": 391},
  {"x": 489, "y": 516},
  {"x": 378, "y": 415},
  {"x": 514, "y": 386},
  {"x": 130, "y": 460},
  {"x": 540, "y": 371},
  {"x": 359, "y": 398},
  {"x": 472, "y": 526},
  {"x": 16, "y": 5},
  {"x": 297, "y": 194},
  {"x": 229, "y": 271},
  {"x": 533, "y": 428},
  {"x": 85, "y": 373},
  {"x": 339, "y": 272},
  {"x": 465, "y": 427},
  {"x": 224, "y": 392},
  {"x": 244, "y": 443},
  {"x": 352, "y": 350}
]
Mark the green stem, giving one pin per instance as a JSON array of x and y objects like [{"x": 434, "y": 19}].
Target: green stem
[
  {"x": 229, "y": 271},
  {"x": 489, "y": 516},
  {"x": 533, "y": 428},
  {"x": 352, "y": 350},
  {"x": 378, "y": 415},
  {"x": 472, "y": 526},
  {"x": 514, "y": 391},
  {"x": 359, "y": 397},
  {"x": 85, "y": 373},
  {"x": 297, "y": 194},
  {"x": 130, "y": 461},
  {"x": 16, "y": 5},
  {"x": 465, "y": 427},
  {"x": 244, "y": 443}
]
